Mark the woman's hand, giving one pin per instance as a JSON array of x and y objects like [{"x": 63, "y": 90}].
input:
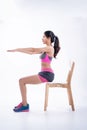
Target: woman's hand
[{"x": 14, "y": 50}]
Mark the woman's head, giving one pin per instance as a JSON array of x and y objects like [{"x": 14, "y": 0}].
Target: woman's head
[{"x": 50, "y": 38}]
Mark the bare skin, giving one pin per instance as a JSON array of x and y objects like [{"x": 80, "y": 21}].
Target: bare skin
[{"x": 34, "y": 79}]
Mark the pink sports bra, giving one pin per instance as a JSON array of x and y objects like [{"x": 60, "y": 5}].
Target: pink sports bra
[{"x": 45, "y": 58}]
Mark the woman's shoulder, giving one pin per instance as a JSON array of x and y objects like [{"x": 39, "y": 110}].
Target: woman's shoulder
[
  {"x": 50, "y": 47},
  {"x": 51, "y": 51}
]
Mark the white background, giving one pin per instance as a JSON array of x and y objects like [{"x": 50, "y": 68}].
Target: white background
[{"x": 22, "y": 24}]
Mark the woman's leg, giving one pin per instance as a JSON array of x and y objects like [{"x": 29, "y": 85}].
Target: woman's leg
[{"x": 27, "y": 80}]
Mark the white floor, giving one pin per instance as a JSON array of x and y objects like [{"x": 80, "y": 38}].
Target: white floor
[
  {"x": 58, "y": 116},
  {"x": 40, "y": 120}
]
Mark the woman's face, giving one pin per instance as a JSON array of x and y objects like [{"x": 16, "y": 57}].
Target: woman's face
[{"x": 45, "y": 40}]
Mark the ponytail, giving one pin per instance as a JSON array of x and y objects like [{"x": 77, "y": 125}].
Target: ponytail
[
  {"x": 56, "y": 46},
  {"x": 55, "y": 40}
]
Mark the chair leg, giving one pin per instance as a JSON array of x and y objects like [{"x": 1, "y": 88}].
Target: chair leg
[
  {"x": 70, "y": 98},
  {"x": 46, "y": 97}
]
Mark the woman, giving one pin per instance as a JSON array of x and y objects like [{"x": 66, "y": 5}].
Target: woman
[{"x": 46, "y": 74}]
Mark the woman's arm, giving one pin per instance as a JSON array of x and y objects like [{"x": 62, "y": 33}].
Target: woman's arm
[
  {"x": 31, "y": 50},
  {"x": 23, "y": 50}
]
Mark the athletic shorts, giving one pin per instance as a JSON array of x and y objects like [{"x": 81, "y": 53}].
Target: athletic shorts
[{"x": 46, "y": 75}]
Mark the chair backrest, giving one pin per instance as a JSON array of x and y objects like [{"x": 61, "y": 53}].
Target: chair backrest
[{"x": 70, "y": 73}]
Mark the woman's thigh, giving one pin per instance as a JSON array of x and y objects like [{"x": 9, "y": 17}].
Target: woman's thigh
[{"x": 34, "y": 79}]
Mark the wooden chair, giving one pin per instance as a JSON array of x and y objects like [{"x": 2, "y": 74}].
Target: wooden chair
[{"x": 66, "y": 85}]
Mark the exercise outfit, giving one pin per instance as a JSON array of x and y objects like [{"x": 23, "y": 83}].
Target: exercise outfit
[{"x": 46, "y": 74}]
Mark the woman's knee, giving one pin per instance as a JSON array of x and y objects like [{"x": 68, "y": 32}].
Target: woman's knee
[{"x": 21, "y": 81}]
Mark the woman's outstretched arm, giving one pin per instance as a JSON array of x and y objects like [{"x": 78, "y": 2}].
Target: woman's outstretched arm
[
  {"x": 23, "y": 50},
  {"x": 31, "y": 50}
]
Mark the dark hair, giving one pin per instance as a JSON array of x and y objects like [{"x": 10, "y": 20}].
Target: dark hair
[{"x": 55, "y": 40}]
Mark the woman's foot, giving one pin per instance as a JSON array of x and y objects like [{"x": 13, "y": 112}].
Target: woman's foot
[
  {"x": 19, "y": 105},
  {"x": 21, "y": 108}
]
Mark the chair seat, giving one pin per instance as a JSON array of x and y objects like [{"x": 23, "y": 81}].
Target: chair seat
[{"x": 63, "y": 85}]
